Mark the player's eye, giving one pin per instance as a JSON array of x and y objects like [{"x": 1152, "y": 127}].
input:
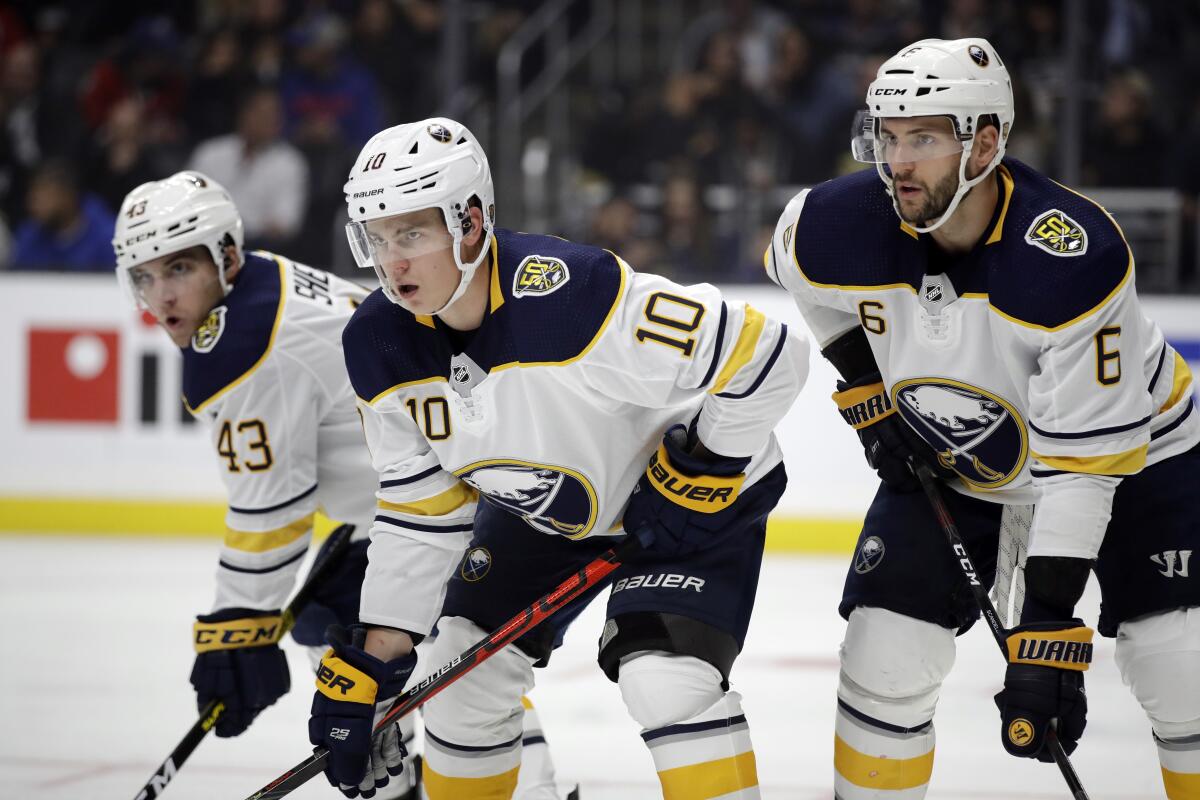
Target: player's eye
[
  {"x": 140, "y": 278},
  {"x": 925, "y": 140},
  {"x": 179, "y": 268}
]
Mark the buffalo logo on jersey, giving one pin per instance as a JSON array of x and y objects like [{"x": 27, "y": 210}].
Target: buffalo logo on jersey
[
  {"x": 476, "y": 564},
  {"x": 978, "y": 435},
  {"x": 869, "y": 554},
  {"x": 209, "y": 333},
  {"x": 1057, "y": 234},
  {"x": 540, "y": 275},
  {"x": 551, "y": 499}
]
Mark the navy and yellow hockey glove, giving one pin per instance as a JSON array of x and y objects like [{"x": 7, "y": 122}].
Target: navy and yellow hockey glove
[
  {"x": 1043, "y": 683},
  {"x": 238, "y": 661},
  {"x": 888, "y": 441},
  {"x": 683, "y": 501},
  {"x": 354, "y": 689}
]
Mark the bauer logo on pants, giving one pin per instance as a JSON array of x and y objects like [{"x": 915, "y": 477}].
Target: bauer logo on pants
[{"x": 869, "y": 554}]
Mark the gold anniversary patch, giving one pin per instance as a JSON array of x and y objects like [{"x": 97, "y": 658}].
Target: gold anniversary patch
[
  {"x": 540, "y": 275},
  {"x": 1057, "y": 234},
  {"x": 209, "y": 332}
]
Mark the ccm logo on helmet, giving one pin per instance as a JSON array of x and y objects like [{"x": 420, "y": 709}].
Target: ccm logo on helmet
[
  {"x": 889, "y": 91},
  {"x": 334, "y": 681}
]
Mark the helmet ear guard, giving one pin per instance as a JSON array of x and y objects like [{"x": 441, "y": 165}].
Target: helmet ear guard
[{"x": 962, "y": 79}]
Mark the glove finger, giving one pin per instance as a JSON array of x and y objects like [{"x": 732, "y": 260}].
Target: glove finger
[
  {"x": 346, "y": 789},
  {"x": 392, "y": 752}
]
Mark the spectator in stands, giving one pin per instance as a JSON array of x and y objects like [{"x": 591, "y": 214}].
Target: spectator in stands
[
  {"x": 1125, "y": 146},
  {"x": 754, "y": 30},
  {"x": 617, "y": 226},
  {"x": 327, "y": 93},
  {"x": 266, "y": 176},
  {"x": 221, "y": 73},
  {"x": 119, "y": 159},
  {"x": 66, "y": 229}
]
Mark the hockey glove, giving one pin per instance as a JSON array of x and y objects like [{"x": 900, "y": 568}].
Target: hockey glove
[
  {"x": 888, "y": 441},
  {"x": 1043, "y": 683},
  {"x": 238, "y": 661},
  {"x": 682, "y": 501},
  {"x": 354, "y": 689}
]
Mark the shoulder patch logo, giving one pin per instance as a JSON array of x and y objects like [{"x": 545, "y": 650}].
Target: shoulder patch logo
[
  {"x": 1057, "y": 234},
  {"x": 209, "y": 333},
  {"x": 540, "y": 275}
]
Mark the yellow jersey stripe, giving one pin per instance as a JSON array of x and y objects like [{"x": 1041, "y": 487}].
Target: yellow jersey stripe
[
  {"x": 710, "y": 778},
  {"x": 453, "y": 498},
  {"x": 1127, "y": 463},
  {"x": 1006, "y": 180},
  {"x": 1083, "y": 316},
  {"x": 425, "y": 319},
  {"x": 1180, "y": 384},
  {"x": 491, "y": 787},
  {"x": 262, "y": 541},
  {"x": 910, "y": 230},
  {"x": 1181, "y": 785},
  {"x": 496, "y": 296},
  {"x": 743, "y": 349},
  {"x": 283, "y": 290},
  {"x": 871, "y": 772},
  {"x": 526, "y": 703},
  {"x": 399, "y": 386}
]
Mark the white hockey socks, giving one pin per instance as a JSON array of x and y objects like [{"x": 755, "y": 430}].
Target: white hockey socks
[{"x": 874, "y": 760}]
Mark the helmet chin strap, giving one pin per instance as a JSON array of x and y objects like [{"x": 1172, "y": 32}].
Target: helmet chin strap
[
  {"x": 467, "y": 269},
  {"x": 964, "y": 186}
]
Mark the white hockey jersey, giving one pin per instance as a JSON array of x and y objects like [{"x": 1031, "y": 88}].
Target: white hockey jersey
[
  {"x": 552, "y": 409},
  {"x": 265, "y": 371},
  {"x": 1027, "y": 364}
]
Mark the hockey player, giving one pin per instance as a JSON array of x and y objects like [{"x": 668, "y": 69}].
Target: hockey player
[
  {"x": 993, "y": 331},
  {"x": 514, "y": 388},
  {"x": 262, "y": 365}
]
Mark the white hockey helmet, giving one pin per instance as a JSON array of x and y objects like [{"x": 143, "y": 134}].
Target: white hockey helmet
[
  {"x": 963, "y": 79},
  {"x": 163, "y": 217},
  {"x": 434, "y": 163}
]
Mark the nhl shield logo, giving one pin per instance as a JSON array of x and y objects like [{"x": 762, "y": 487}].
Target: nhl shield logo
[
  {"x": 933, "y": 292},
  {"x": 1057, "y": 234},
  {"x": 869, "y": 554},
  {"x": 476, "y": 564},
  {"x": 439, "y": 132},
  {"x": 977, "y": 434},
  {"x": 461, "y": 373},
  {"x": 540, "y": 275},
  {"x": 209, "y": 333}
]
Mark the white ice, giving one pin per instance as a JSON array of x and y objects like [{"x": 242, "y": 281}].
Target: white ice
[{"x": 96, "y": 654}]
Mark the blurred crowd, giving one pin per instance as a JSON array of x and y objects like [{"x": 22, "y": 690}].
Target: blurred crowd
[{"x": 273, "y": 98}]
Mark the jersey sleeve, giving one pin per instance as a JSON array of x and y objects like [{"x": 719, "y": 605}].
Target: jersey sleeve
[
  {"x": 1089, "y": 415},
  {"x": 423, "y": 522},
  {"x": 264, "y": 435},
  {"x": 826, "y": 322},
  {"x": 671, "y": 345}
]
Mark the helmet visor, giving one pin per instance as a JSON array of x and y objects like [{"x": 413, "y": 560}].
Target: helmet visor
[
  {"x": 901, "y": 140},
  {"x": 381, "y": 242}
]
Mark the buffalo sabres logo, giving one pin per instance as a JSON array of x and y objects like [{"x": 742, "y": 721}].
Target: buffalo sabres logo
[
  {"x": 439, "y": 132},
  {"x": 551, "y": 499},
  {"x": 978, "y": 55},
  {"x": 539, "y": 275},
  {"x": 1058, "y": 234},
  {"x": 978, "y": 435},
  {"x": 476, "y": 564},
  {"x": 206, "y": 336},
  {"x": 869, "y": 554}
]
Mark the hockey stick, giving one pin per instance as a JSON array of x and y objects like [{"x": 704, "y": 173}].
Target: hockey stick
[
  {"x": 585, "y": 578},
  {"x": 338, "y": 541},
  {"x": 929, "y": 484}
]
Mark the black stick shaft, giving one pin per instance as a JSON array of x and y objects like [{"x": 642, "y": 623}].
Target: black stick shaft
[
  {"x": 209, "y": 715},
  {"x": 929, "y": 484},
  {"x": 587, "y": 577}
]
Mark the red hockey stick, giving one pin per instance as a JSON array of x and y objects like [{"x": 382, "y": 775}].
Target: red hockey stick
[{"x": 587, "y": 577}]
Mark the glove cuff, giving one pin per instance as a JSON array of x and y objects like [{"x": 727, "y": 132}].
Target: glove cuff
[
  {"x": 1061, "y": 645},
  {"x": 705, "y": 492},
  {"x": 863, "y": 404},
  {"x": 235, "y": 628}
]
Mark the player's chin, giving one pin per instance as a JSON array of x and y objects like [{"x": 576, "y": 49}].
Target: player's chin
[{"x": 179, "y": 331}]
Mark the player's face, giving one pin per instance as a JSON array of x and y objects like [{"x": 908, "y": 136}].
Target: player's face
[
  {"x": 180, "y": 289},
  {"x": 923, "y": 155},
  {"x": 415, "y": 252}
]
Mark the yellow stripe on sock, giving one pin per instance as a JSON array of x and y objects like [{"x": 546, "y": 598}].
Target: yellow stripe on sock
[
  {"x": 1181, "y": 785},
  {"x": 710, "y": 779},
  {"x": 492, "y": 787},
  {"x": 872, "y": 772}
]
